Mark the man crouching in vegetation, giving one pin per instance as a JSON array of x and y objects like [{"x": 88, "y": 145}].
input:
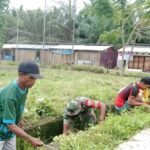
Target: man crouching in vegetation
[
  {"x": 81, "y": 109},
  {"x": 128, "y": 96},
  {"x": 12, "y": 102}
]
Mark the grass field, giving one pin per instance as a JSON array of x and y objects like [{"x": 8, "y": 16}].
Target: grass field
[
  {"x": 50, "y": 95},
  {"x": 60, "y": 86}
]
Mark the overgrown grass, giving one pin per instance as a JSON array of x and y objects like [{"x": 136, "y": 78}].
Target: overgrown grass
[
  {"x": 98, "y": 69},
  {"x": 60, "y": 86},
  {"x": 116, "y": 129},
  {"x": 87, "y": 68},
  {"x": 8, "y": 63},
  {"x": 50, "y": 95}
]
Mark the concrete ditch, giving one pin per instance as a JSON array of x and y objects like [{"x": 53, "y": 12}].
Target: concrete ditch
[
  {"x": 46, "y": 132},
  {"x": 140, "y": 141}
]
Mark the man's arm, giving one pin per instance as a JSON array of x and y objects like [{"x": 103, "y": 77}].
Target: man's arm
[
  {"x": 66, "y": 129},
  {"x": 134, "y": 102},
  {"x": 133, "y": 98},
  {"x": 102, "y": 112},
  {"x": 66, "y": 125},
  {"x": 97, "y": 105},
  {"x": 21, "y": 133}
]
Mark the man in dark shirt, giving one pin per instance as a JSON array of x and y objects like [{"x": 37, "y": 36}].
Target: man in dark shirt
[{"x": 128, "y": 95}]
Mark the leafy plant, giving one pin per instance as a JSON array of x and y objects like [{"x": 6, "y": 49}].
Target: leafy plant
[{"x": 44, "y": 109}]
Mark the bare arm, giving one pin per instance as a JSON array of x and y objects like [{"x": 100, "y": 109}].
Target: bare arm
[
  {"x": 66, "y": 129},
  {"x": 134, "y": 102},
  {"x": 21, "y": 133},
  {"x": 102, "y": 112}
]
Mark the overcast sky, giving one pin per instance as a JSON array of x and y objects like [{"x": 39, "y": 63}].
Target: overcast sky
[{"x": 34, "y": 4}]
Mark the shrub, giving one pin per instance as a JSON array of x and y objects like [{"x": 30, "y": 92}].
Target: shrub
[{"x": 87, "y": 68}]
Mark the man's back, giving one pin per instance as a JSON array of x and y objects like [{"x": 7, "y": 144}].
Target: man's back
[{"x": 125, "y": 92}]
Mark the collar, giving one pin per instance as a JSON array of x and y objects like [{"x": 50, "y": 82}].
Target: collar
[{"x": 17, "y": 86}]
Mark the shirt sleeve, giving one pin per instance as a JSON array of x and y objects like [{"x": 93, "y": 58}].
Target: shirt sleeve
[
  {"x": 134, "y": 91},
  {"x": 93, "y": 104},
  {"x": 9, "y": 116}
]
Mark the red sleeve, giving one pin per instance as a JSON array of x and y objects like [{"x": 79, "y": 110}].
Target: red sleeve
[{"x": 93, "y": 104}]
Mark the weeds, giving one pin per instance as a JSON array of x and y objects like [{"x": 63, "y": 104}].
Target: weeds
[{"x": 50, "y": 96}]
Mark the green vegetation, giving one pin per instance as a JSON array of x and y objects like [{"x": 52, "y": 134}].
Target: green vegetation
[
  {"x": 115, "y": 130},
  {"x": 94, "y": 69},
  {"x": 49, "y": 97},
  {"x": 3, "y": 7},
  {"x": 101, "y": 21}
]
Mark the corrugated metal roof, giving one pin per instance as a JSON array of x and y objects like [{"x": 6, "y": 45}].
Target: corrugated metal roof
[
  {"x": 81, "y": 47},
  {"x": 53, "y": 47},
  {"x": 24, "y": 46},
  {"x": 140, "y": 49}
]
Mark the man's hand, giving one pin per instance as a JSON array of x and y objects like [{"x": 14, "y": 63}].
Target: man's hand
[
  {"x": 35, "y": 142},
  {"x": 21, "y": 124},
  {"x": 145, "y": 104},
  {"x": 148, "y": 103},
  {"x": 21, "y": 133}
]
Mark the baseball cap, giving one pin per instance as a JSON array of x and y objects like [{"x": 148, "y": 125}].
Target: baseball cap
[
  {"x": 73, "y": 108},
  {"x": 146, "y": 80},
  {"x": 30, "y": 68}
]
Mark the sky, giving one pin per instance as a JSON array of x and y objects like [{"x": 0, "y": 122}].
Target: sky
[{"x": 34, "y": 4}]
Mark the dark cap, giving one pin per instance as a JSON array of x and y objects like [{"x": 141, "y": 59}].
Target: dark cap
[
  {"x": 30, "y": 68},
  {"x": 145, "y": 80}
]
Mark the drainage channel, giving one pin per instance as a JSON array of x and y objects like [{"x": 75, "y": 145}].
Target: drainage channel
[{"x": 46, "y": 132}]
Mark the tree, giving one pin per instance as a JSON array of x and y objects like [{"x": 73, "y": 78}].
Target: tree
[
  {"x": 121, "y": 22},
  {"x": 139, "y": 21},
  {"x": 87, "y": 28},
  {"x": 93, "y": 21},
  {"x": 144, "y": 33},
  {"x": 3, "y": 7},
  {"x": 59, "y": 24}
]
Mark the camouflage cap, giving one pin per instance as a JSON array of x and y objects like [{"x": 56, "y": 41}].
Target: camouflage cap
[{"x": 73, "y": 108}]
